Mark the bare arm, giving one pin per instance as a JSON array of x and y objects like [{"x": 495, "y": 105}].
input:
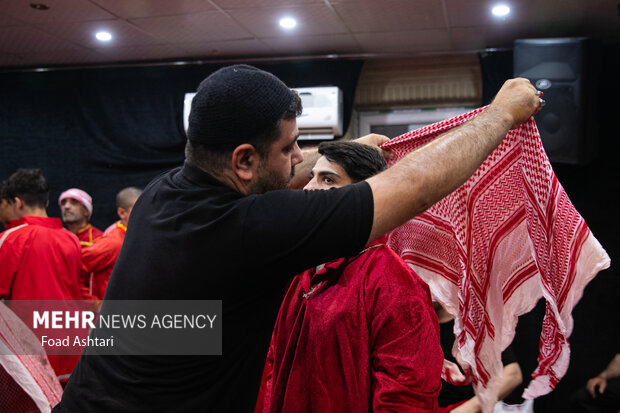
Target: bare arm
[
  {"x": 302, "y": 170},
  {"x": 431, "y": 172},
  {"x": 511, "y": 379},
  {"x": 613, "y": 369},
  {"x": 611, "y": 372}
]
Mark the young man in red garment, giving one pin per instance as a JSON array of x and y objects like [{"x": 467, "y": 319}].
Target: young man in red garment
[
  {"x": 98, "y": 260},
  {"x": 40, "y": 260},
  {"x": 357, "y": 334}
]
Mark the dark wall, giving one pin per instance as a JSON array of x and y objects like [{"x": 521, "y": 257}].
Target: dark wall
[
  {"x": 104, "y": 129},
  {"x": 594, "y": 190}
]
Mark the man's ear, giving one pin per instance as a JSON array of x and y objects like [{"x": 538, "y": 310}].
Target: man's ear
[
  {"x": 245, "y": 160},
  {"x": 122, "y": 214},
  {"x": 18, "y": 204}
]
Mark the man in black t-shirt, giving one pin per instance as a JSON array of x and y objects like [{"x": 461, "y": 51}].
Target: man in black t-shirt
[{"x": 222, "y": 228}]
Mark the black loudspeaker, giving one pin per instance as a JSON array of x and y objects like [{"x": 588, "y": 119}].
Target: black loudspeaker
[{"x": 565, "y": 70}]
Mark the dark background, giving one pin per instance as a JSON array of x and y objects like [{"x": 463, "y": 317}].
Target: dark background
[{"x": 104, "y": 129}]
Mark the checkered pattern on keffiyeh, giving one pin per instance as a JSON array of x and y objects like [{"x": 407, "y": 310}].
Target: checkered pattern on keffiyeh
[{"x": 491, "y": 249}]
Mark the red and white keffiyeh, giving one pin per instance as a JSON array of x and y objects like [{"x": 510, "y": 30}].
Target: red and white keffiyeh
[
  {"x": 491, "y": 249},
  {"x": 27, "y": 380}
]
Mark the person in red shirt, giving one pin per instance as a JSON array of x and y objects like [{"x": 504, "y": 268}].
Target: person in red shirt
[
  {"x": 98, "y": 260},
  {"x": 76, "y": 209},
  {"x": 357, "y": 334},
  {"x": 40, "y": 260}
]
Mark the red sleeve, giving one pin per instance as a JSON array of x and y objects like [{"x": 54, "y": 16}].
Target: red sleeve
[
  {"x": 100, "y": 255},
  {"x": 406, "y": 356},
  {"x": 9, "y": 263}
]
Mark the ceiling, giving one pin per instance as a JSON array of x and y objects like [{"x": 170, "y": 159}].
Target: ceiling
[{"x": 205, "y": 30}]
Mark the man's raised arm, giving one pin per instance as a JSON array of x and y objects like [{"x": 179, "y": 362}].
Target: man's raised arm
[
  {"x": 431, "y": 172},
  {"x": 302, "y": 170}
]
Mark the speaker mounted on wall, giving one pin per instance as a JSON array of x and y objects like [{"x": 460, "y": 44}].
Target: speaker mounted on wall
[{"x": 565, "y": 69}]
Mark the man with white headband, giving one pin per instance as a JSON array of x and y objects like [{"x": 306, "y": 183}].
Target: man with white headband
[{"x": 76, "y": 209}]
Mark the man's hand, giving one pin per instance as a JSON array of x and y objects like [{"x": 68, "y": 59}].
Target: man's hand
[
  {"x": 518, "y": 99},
  {"x": 594, "y": 383},
  {"x": 376, "y": 141}
]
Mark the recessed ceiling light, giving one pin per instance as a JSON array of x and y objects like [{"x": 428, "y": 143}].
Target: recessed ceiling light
[
  {"x": 39, "y": 6},
  {"x": 288, "y": 22},
  {"x": 104, "y": 36},
  {"x": 500, "y": 10}
]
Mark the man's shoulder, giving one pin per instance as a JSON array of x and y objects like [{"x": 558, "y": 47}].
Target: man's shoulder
[
  {"x": 30, "y": 233},
  {"x": 16, "y": 230},
  {"x": 378, "y": 250},
  {"x": 95, "y": 232},
  {"x": 65, "y": 238},
  {"x": 113, "y": 238},
  {"x": 385, "y": 268}
]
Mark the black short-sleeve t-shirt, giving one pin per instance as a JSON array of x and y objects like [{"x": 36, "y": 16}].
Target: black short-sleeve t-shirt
[{"x": 190, "y": 237}]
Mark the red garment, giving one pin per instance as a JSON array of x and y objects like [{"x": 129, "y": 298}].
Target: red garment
[
  {"x": 508, "y": 236},
  {"x": 366, "y": 338},
  {"x": 98, "y": 260},
  {"x": 88, "y": 235},
  {"x": 40, "y": 260}
]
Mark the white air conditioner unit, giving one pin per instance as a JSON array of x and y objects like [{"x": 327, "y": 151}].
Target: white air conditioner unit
[
  {"x": 322, "y": 113},
  {"x": 187, "y": 107}
]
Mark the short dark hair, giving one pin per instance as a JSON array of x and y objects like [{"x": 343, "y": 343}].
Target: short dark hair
[
  {"x": 126, "y": 197},
  {"x": 359, "y": 161},
  {"x": 216, "y": 156},
  {"x": 29, "y": 185}
]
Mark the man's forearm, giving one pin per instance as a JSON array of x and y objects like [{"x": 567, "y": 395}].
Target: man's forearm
[
  {"x": 431, "y": 172},
  {"x": 512, "y": 377},
  {"x": 302, "y": 170},
  {"x": 613, "y": 369},
  {"x": 428, "y": 174}
]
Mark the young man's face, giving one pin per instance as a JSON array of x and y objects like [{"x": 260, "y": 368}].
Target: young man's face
[
  {"x": 72, "y": 211},
  {"x": 326, "y": 175},
  {"x": 278, "y": 169}
]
